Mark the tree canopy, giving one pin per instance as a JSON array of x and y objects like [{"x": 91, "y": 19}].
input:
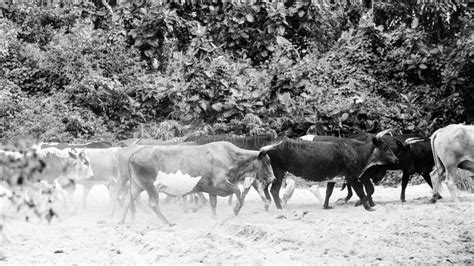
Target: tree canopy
[{"x": 85, "y": 72}]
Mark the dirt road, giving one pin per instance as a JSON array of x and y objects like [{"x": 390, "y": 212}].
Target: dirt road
[{"x": 402, "y": 233}]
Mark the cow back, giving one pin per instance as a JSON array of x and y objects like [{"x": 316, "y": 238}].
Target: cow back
[
  {"x": 248, "y": 142},
  {"x": 213, "y": 160},
  {"x": 90, "y": 145},
  {"x": 104, "y": 163},
  {"x": 59, "y": 163}
]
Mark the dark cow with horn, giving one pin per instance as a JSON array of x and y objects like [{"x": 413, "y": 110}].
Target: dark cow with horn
[
  {"x": 320, "y": 161},
  {"x": 453, "y": 147},
  {"x": 414, "y": 153},
  {"x": 217, "y": 166}
]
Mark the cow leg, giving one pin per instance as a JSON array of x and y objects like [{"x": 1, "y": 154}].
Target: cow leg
[
  {"x": 67, "y": 198},
  {"x": 112, "y": 186},
  {"x": 369, "y": 188},
  {"x": 358, "y": 188},
  {"x": 329, "y": 189},
  {"x": 427, "y": 178},
  {"x": 213, "y": 202},
  {"x": 289, "y": 190},
  {"x": 405, "y": 179},
  {"x": 202, "y": 198},
  {"x": 248, "y": 183},
  {"x": 136, "y": 190},
  {"x": 85, "y": 193},
  {"x": 451, "y": 177},
  {"x": 315, "y": 190},
  {"x": 229, "y": 200},
  {"x": 200, "y": 201},
  {"x": 154, "y": 202},
  {"x": 258, "y": 186},
  {"x": 228, "y": 188},
  {"x": 168, "y": 199},
  {"x": 267, "y": 193},
  {"x": 276, "y": 185},
  {"x": 349, "y": 193}
]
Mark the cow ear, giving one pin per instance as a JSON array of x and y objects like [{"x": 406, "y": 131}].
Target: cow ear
[
  {"x": 401, "y": 145},
  {"x": 375, "y": 141},
  {"x": 73, "y": 155}
]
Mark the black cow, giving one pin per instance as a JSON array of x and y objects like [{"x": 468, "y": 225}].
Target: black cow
[
  {"x": 319, "y": 161},
  {"x": 414, "y": 154}
]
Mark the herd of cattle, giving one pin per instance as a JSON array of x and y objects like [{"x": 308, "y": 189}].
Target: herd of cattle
[{"x": 217, "y": 164}]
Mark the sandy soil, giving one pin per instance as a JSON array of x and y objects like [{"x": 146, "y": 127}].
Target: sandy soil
[{"x": 395, "y": 233}]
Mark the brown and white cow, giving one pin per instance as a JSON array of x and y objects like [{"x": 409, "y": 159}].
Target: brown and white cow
[
  {"x": 453, "y": 147},
  {"x": 221, "y": 165}
]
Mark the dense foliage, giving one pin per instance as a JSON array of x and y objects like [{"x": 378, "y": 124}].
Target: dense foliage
[{"x": 83, "y": 73}]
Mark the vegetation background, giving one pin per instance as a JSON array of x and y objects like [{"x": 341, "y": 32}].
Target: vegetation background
[{"x": 100, "y": 72}]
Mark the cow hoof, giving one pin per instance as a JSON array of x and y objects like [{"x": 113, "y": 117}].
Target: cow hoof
[
  {"x": 433, "y": 200},
  {"x": 341, "y": 201},
  {"x": 403, "y": 200},
  {"x": 327, "y": 207},
  {"x": 266, "y": 207},
  {"x": 280, "y": 214},
  {"x": 370, "y": 209},
  {"x": 358, "y": 203},
  {"x": 171, "y": 225}
]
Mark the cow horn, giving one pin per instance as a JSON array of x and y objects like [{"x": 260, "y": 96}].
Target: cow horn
[
  {"x": 410, "y": 141},
  {"x": 382, "y": 133},
  {"x": 270, "y": 146}
]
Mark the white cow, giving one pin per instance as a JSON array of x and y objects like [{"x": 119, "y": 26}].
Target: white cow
[
  {"x": 453, "y": 147},
  {"x": 64, "y": 168},
  {"x": 105, "y": 169}
]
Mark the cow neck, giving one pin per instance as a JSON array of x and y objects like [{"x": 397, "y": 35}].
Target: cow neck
[
  {"x": 364, "y": 152},
  {"x": 243, "y": 159}
]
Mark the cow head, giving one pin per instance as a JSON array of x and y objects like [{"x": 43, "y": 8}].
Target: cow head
[
  {"x": 264, "y": 166},
  {"x": 79, "y": 165},
  {"x": 381, "y": 154}
]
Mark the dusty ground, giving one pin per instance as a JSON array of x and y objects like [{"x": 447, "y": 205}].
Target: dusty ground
[{"x": 395, "y": 233}]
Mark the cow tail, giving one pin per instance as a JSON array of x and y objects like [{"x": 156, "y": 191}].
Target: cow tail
[
  {"x": 132, "y": 201},
  {"x": 436, "y": 177}
]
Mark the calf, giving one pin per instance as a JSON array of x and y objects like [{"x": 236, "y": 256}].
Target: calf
[
  {"x": 321, "y": 161},
  {"x": 220, "y": 165},
  {"x": 453, "y": 147}
]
